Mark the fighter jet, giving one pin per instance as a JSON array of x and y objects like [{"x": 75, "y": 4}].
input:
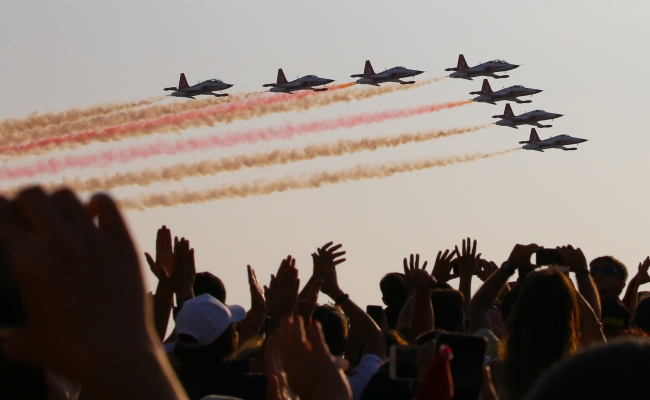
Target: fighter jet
[
  {"x": 529, "y": 118},
  {"x": 463, "y": 71},
  {"x": 556, "y": 142},
  {"x": 205, "y": 87},
  {"x": 369, "y": 77},
  {"x": 486, "y": 95},
  {"x": 307, "y": 82}
]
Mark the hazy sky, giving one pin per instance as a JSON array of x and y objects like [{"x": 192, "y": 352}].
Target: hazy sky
[{"x": 590, "y": 58}]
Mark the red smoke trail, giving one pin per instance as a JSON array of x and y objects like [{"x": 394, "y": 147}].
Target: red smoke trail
[
  {"x": 249, "y": 136},
  {"x": 163, "y": 121}
]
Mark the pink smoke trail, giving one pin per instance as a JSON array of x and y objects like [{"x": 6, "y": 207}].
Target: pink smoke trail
[
  {"x": 249, "y": 136},
  {"x": 159, "y": 120}
]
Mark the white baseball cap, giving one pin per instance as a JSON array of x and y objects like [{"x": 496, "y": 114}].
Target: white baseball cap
[{"x": 205, "y": 318}]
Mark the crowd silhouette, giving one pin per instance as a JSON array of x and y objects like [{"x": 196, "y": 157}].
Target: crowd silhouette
[{"x": 84, "y": 327}]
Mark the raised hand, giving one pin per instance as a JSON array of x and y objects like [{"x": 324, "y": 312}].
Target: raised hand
[
  {"x": 308, "y": 298},
  {"x": 485, "y": 269},
  {"x": 164, "y": 263},
  {"x": 312, "y": 372},
  {"x": 83, "y": 295},
  {"x": 443, "y": 266},
  {"x": 277, "y": 387},
  {"x": 467, "y": 259},
  {"x": 258, "y": 302},
  {"x": 573, "y": 258},
  {"x": 181, "y": 281},
  {"x": 642, "y": 276},
  {"x": 413, "y": 272},
  {"x": 325, "y": 261},
  {"x": 520, "y": 256},
  {"x": 282, "y": 292}
]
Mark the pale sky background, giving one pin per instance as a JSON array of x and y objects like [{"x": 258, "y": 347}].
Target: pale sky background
[{"x": 590, "y": 57}]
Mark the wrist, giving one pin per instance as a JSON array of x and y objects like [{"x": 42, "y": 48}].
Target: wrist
[
  {"x": 508, "y": 268},
  {"x": 335, "y": 294},
  {"x": 183, "y": 296}
]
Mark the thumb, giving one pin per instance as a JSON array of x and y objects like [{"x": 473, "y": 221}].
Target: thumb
[{"x": 150, "y": 260}]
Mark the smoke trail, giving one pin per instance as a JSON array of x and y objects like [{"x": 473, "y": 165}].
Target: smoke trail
[
  {"x": 181, "y": 171},
  {"x": 101, "y": 121},
  {"x": 209, "y": 116},
  {"x": 249, "y": 136},
  {"x": 262, "y": 187},
  {"x": 35, "y": 120}
]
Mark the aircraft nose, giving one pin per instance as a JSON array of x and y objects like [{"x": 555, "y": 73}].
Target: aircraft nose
[
  {"x": 229, "y": 85},
  {"x": 583, "y": 140},
  {"x": 329, "y": 80},
  {"x": 416, "y": 72},
  {"x": 514, "y": 66},
  {"x": 559, "y": 115}
]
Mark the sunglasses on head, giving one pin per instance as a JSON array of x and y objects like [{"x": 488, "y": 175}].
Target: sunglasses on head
[{"x": 605, "y": 270}]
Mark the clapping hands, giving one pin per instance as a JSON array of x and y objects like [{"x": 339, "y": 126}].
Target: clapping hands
[
  {"x": 325, "y": 261},
  {"x": 282, "y": 292}
]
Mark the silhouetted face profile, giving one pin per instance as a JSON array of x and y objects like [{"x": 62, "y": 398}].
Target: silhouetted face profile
[{"x": 607, "y": 278}]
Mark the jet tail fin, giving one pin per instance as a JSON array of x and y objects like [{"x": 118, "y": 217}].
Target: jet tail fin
[
  {"x": 182, "y": 83},
  {"x": 507, "y": 113},
  {"x": 462, "y": 64},
  {"x": 367, "y": 69},
  {"x": 485, "y": 89},
  {"x": 533, "y": 137},
  {"x": 281, "y": 78}
]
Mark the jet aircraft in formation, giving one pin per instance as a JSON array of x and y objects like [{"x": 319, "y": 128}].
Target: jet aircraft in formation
[
  {"x": 512, "y": 93},
  {"x": 530, "y": 118},
  {"x": 555, "y": 142},
  {"x": 395, "y": 74},
  {"x": 486, "y": 95},
  {"x": 201, "y": 88},
  {"x": 307, "y": 82},
  {"x": 463, "y": 71}
]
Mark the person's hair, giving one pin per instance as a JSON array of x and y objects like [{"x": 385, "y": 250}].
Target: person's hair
[
  {"x": 205, "y": 282},
  {"x": 620, "y": 267},
  {"x": 542, "y": 328},
  {"x": 448, "y": 311},
  {"x": 614, "y": 371},
  {"x": 335, "y": 327},
  {"x": 508, "y": 303},
  {"x": 393, "y": 289},
  {"x": 214, "y": 354},
  {"x": 251, "y": 348}
]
